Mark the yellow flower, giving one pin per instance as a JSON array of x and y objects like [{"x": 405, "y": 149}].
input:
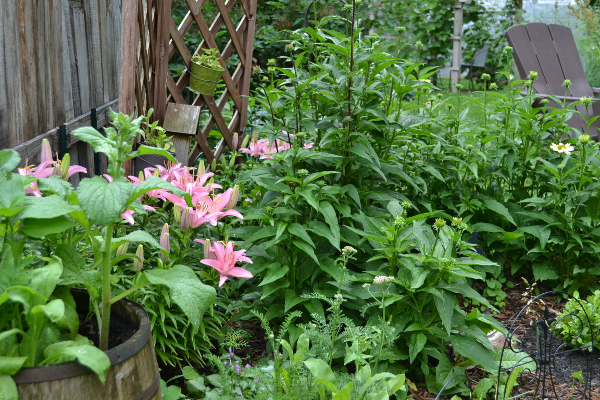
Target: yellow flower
[{"x": 562, "y": 148}]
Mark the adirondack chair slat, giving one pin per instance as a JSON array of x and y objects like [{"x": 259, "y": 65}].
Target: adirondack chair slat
[
  {"x": 525, "y": 57},
  {"x": 569, "y": 59},
  {"x": 548, "y": 57}
]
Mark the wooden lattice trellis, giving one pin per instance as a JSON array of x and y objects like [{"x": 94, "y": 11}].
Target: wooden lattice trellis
[{"x": 158, "y": 38}]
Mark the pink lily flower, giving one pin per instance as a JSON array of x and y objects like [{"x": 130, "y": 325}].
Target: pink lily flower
[
  {"x": 281, "y": 146},
  {"x": 45, "y": 170},
  {"x": 256, "y": 148},
  {"x": 165, "y": 241},
  {"x": 224, "y": 261},
  {"x": 46, "y": 153}
]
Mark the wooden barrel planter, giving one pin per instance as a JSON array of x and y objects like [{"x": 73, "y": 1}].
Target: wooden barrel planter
[{"x": 132, "y": 376}]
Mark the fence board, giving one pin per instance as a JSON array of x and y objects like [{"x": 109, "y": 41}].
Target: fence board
[{"x": 58, "y": 59}]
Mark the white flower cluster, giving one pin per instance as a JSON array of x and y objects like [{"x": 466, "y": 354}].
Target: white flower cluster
[{"x": 380, "y": 280}]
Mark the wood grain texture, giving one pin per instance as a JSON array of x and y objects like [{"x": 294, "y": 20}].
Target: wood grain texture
[
  {"x": 129, "y": 39},
  {"x": 181, "y": 119},
  {"x": 58, "y": 59}
]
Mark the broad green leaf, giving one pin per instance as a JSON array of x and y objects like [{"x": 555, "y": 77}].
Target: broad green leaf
[
  {"x": 542, "y": 272},
  {"x": 75, "y": 270},
  {"x": 39, "y": 228},
  {"x": 291, "y": 299},
  {"x": 46, "y": 207},
  {"x": 485, "y": 227},
  {"x": 44, "y": 279},
  {"x": 261, "y": 234},
  {"x": 54, "y": 310},
  {"x": 192, "y": 296},
  {"x": 499, "y": 208},
  {"x": 90, "y": 356},
  {"x": 11, "y": 365},
  {"x": 470, "y": 348},
  {"x": 299, "y": 231},
  {"x": 467, "y": 291},
  {"x": 137, "y": 237},
  {"x": 445, "y": 308},
  {"x": 542, "y": 233},
  {"x": 189, "y": 373},
  {"x": 8, "y": 388},
  {"x": 103, "y": 202},
  {"x": 274, "y": 274},
  {"x": 344, "y": 393},
  {"x": 22, "y": 294},
  {"x": 94, "y": 138},
  {"x": 417, "y": 343},
  {"x": 321, "y": 370},
  {"x": 273, "y": 287},
  {"x": 143, "y": 150},
  {"x": 56, "y": 185},
  {"x": 305, "y": 247},
  {"x": 9, "y": 333},
  {"x": 12, "y": 196},
  {"x": 9, "y": 161},
  {"x": 330, "y": 217}
]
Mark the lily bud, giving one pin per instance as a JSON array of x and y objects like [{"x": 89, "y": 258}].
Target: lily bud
[
  {"x": 64, "y": 167},
  {"x": 165, "y": 241},
  {"x": 138, "y": 263},
  {"x": 232, "y": 162},
  {"x": 201, "y": 168},
  {"x": 207, "y": 252},
  {"x": 46, "y": 154},
  {"x": 141, "y": 176},
  {"x": 213, "y": 165},
  {"x": 245, "y": 142},
  {"x": 185, "y": 220},
  {"x": 234, "y": 197},
  {"x": 235, "y": 140},
  {"x": 122, "y": 249},
  {"x": 177, "y": 214}
]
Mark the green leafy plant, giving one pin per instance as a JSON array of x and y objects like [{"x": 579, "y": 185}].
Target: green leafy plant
[
  {"x": 155, "y": 135},
  {"x": 38, "y": 321},
  {"x": 579, "y": 323},
  {"x": 102, "y": 204},
  {"x": 209, "y": 59}
]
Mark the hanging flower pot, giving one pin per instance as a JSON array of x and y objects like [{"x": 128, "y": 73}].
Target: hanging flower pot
[{"x": 206, "y": 72}]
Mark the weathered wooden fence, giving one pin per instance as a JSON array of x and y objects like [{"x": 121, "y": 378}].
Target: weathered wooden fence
[{"x": 58, "y": 60}]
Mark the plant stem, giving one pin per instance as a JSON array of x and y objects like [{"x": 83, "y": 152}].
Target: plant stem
[{"x": 106, "y": 287}]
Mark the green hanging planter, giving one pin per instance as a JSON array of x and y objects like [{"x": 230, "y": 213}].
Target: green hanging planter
[{"x": 204, "y": 79}]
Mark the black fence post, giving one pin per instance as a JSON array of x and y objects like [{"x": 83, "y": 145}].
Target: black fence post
[
  {"x": 62, "y": 141},
  {"x": 96, "y": 155}
]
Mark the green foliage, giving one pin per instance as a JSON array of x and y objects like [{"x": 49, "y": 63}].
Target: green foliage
[
  {"x": 155, "y": 135},
  {"x": 208, "y": 59},
  {"x": 38, "y": 320},
  {"x": 579, "y": 323}
]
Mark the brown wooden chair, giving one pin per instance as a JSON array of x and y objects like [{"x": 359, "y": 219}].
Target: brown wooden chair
[{"x": 550, "y": 51}]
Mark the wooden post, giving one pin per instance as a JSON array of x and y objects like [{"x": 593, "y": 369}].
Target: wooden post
[
  {"x": 248, "y": 47},
  {"x": 161, "y": 59},
  {"x": 128, "y": 69},
  {"x": 457, "y": 43},
  {"x": 129, "y": 46}
]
